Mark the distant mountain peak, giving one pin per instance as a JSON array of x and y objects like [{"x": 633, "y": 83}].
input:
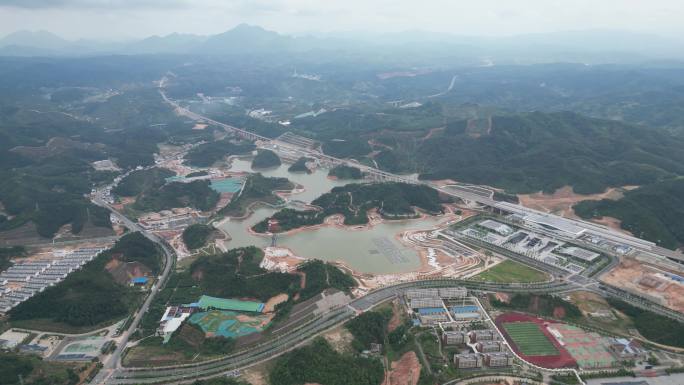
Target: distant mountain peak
[{"x": 37, "y": 39}]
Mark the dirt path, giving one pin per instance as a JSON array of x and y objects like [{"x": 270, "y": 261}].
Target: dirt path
[
  {"x": 396, "y": 320},
  {"x": 273, "y": 301}
]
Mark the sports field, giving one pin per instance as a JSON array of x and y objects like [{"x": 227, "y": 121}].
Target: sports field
[
  {"x": 529, "y": 339},
  {"x": 509, "y": 271}
]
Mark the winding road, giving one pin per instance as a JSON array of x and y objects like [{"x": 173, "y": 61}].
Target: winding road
[{"x": 276, "y": 344}]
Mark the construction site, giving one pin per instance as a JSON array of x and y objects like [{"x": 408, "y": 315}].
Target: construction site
[{"x": 659, "y": 285}]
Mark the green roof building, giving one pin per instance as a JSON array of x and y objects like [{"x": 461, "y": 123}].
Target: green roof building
[{"x": 206, "y": 302}]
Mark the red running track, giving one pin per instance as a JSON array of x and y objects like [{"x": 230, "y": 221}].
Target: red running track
[{"x": 562, "y": 360}]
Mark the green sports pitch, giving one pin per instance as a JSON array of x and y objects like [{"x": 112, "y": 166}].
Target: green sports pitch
[{"x": 529, "y": 339}]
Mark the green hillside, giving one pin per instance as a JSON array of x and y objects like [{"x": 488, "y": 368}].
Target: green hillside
[{"x": 652, "y": 212}]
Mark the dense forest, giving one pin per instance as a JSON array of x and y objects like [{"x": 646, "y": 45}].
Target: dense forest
[
  {"x": 140, "y": 181},
  {"x": 90, "y": 297},
  {"x": 321, "y": 276},
  {"x": 345, "y": 172},
  {"x": 300, "y": 165},
  {"x": 155, "y": 194},
  {"x": 209, "y": 153},
  {"x": 393, "y": 200},
  {"x": 196, "y": 236},
  {"x": 319, "y": 363},
  {"x": 545, "y": 151},
  {"x": 265, "y": 159},
  {"x": 134, "y": 247},
  {"x": 369, "y": 327},
  {"x": 236, "y": 274},
  {"x": 16, "y": 369},
  {"x": 196, "y": 194},
  {"x": 50, "y": 193},
  {"x": 7, "y": 253},
  {"x": 46, "y": 153},
  {"x": 653, "y": 326},
  {"x": 653, "y": 212},
  {"x": 257, "y": 188}
]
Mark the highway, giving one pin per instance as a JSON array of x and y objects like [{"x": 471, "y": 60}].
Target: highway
[
  {"x": 468, "y": 193},
  {"x": 286, "y": 341},
  {"x": 112, "y": 363},
  {"x": 112, "y": 373}
]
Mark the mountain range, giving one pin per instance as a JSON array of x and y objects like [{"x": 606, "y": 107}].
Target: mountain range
[{"x": 579, "y": 46}]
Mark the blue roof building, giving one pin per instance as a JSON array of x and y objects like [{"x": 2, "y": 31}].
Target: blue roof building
[
  {"x": 465, "y": 309},
  {"x": 139, "y": 280},
  {"x": 431, "y": 310}
]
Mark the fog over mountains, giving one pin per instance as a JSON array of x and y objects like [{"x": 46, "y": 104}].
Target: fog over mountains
[{"x": 597, "y": 46}]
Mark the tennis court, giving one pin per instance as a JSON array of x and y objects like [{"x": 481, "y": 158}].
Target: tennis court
[{"x": 529, "y": 338}]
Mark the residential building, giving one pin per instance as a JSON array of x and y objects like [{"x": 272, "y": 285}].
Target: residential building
[
  {"x": 454, "y": 337},
  {"x": 468, "y": 360},
  {"x": 482, "y": 335},
  {"x": 497, "y": 360},
  {"x": 488, "y": 346}
]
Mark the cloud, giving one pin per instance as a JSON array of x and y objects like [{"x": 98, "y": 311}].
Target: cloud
[{"x": 85, "y": 4}]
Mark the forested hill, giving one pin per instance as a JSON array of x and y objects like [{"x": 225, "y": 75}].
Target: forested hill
[
  {"x": 393, "y": 200},
  {"x": 545, "y": 151},
  {"x": 652, "y": 212}
]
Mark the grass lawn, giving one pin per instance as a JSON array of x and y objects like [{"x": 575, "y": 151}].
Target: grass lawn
[
  {"x": 529, "y": 339},
  {"x": 510, "y": 271}
]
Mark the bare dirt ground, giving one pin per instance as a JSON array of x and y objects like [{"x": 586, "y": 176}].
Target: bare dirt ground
[
  {"x": 562, "y": 200},
  {"x": 589, "y": 302},
  {"x": 643, "y": 279},
  {"x": 396, "y": 319},
  {"x": 273, "y": 301},
  {"x": 257, "y": 374},
  {"x": 340, "y": 339},
  {"x": 612, "y": 223},
  {"x": 405, "y": 371}
]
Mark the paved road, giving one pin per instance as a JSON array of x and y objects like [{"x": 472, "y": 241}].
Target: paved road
[
  {"x": 284, "y": 342},
  {"x": 472, "y": 193},
  {"x": 112, "y": 362}
]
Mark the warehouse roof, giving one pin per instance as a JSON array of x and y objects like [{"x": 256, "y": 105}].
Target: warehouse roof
[{"x": 206, "y": 302}]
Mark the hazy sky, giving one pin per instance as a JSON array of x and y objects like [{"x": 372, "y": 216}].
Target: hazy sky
[{"x": 139, "y": 18}]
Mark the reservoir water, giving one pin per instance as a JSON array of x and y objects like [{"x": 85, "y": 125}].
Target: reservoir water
[{"x": 374, "y": 250}]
